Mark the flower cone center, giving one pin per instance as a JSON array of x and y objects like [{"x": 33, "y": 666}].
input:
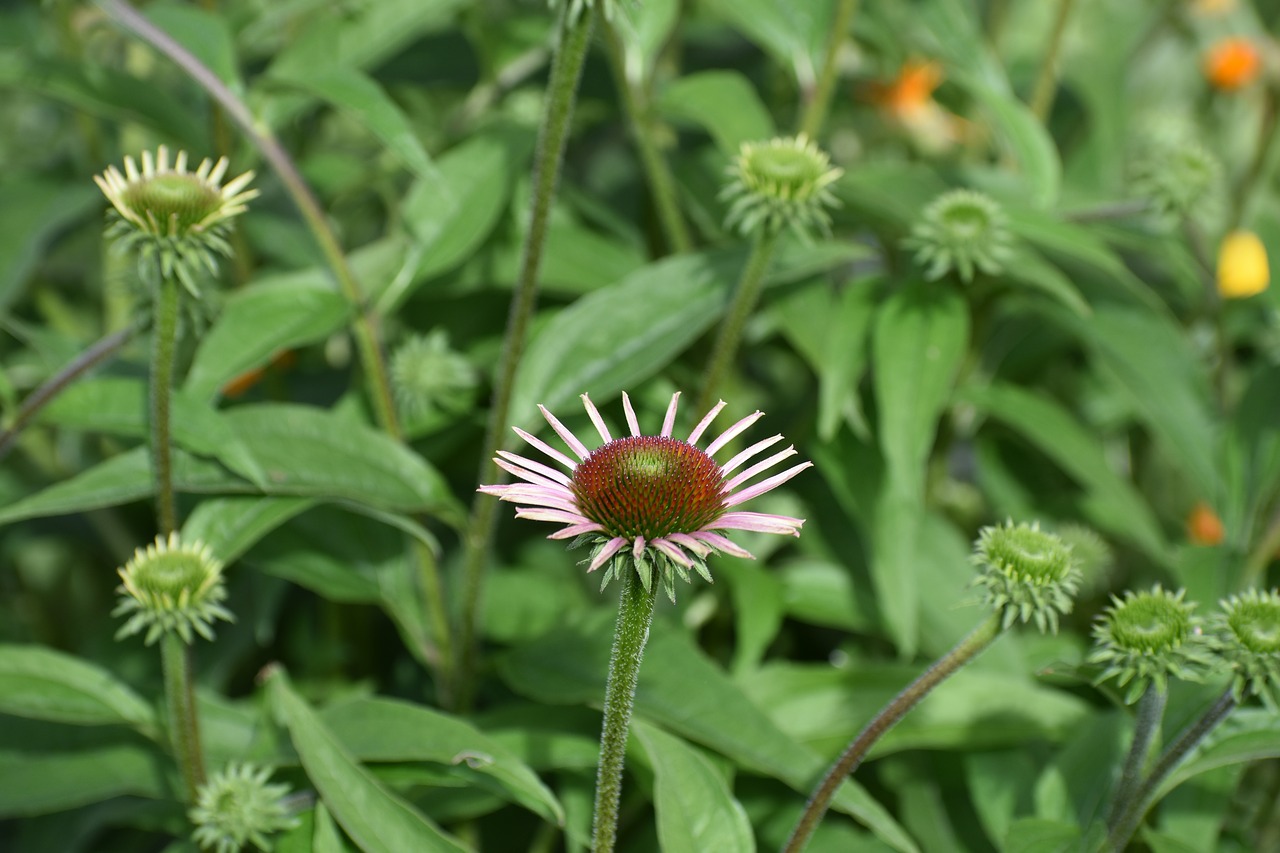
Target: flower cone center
[
  {"x": 649, "y": 486},
  {"x": 1258, "y": 629},
  {"x": 171, "y": 574},
  {"x": 1149, "y": 629},
  {"x": 185, "y": 198}
]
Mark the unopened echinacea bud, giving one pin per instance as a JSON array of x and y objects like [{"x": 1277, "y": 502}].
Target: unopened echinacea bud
[
  {"x": 781, "y": 183},
  {"x": 237, "y": 807},
  {"x": 1026, "y": 574},
  {"x": 1146, "y": 638},
  {"x": 171, "y": 586},
  {"x": 1246, "y": 633},
  {"x": 961, "y": 231}
]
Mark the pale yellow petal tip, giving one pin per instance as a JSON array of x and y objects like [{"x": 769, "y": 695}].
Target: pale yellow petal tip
[{"x": 1242, "y": 266}]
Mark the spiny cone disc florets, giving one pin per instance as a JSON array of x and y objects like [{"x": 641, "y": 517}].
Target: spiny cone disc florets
[
  {"x": 782, "y": 183},
  {"x": 175, "y": 221},
  {"x": 961, "y": 231},
  {"x": 1246, "y": 633},
  {"x": 647, "y": 502},
  {"x": 1026, "y": 574},
  {"x": 1147, "y": 637},
  {"x": 171, "y": 586},
  {"x": 237, "y": 807}
]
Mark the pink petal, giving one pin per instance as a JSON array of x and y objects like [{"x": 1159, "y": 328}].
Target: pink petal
[
  {"x": 569, "y": 438},
  {"x": 527, "y": 476},
  {"x": 546, "y": 448},
  {"x": 596, "y": 419},
  {"x": 705, "y": 422},
  {"x": 724, "y": 544},
  {"x": 748, "y": 453},
  {"x": 576, "y": 530},
  {"x": 632, "y": 423},
  {"x": 546, "y": 499},
  {"x": 638, "y": 547},
  {"x": 689, "y": 542},
  {"x": 765, "y": 485},
  {"x": 759, "y": 522},
  {"x": 733, "y": 431},
  {"x": 673, "y": 551},
  {"x": 610, "y": 548},
  {"x": 543, "y": 514},
  {"x": 669, "y": 422},
  {"x": 545, "y": 470},
  {"x": 763, "y": 465}
]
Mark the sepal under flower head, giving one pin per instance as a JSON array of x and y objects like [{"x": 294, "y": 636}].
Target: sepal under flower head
[
  {"x": 173, "y": 220},
  {"x": 780, "y": 183},
  {"x": 1246, "y": 634},
  {"x": 648, "y": 503},
  {"x": 1146, "y": 638},
  {"x": 961, "y": 231},
  {"x": 1026, "y": 574},
  {"x": 171, "y": 586},
  {"x": 237, "y": 807}
]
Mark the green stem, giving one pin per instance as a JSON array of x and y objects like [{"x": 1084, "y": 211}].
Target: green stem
[
  {"x": 1256, "y": 173},
  {"x": 964, "y": 651},
  {"x": 562, "y": 87},
  {"x": 1260, "y": 557},
  {"x": 635, "y": 613},
  {"x": 184, "y": 724},
  {"x": 1109, "y": 210},
  {"x": 163, "y": 337},
  {"x": 819, "y": 98},
  {"x": 662, "y": 186},
  {"x": 1126, "y": 823},
  {"x": 1047, "y": 80},
  {"x": 1150, "y": 712},
  {"x": 744, "y": 301}
]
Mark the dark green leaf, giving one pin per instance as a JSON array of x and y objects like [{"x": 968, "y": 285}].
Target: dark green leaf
[{"x": 44, "y": 684}]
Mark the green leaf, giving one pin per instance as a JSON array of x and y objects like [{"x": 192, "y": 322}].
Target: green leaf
[
  {"x": 119, "y": 406},
  {"x": 684, "y": 691},
  {"x": 33, "y": 212},
  {"x": 43, "y": 684},
  {"x": 1027, "y": 138},
  {"x": 1114, "y": 503},
  {"x": 39, "y": 783},
  {"x": 374, "y": 817},
  {"x": 1040, "y": 835},
  {"x": 231, "y": 526},
  {"x": 1249, "y": 734},
  {"x": 918, "y": 343},
  {"x": 695, "y": 807},
  {"x": 207, "y": 36},
  {"x": 1028, "y": 268},
  {"x": 645, "y": 29},
  {"x": 794, "y": 33},
  {"x": 724, "y": 103},
  {"x": 378, "y": 729}
]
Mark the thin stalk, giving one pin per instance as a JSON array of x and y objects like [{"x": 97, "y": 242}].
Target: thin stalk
[
  {"x": 1047, "y": 80},
  {"x": 60, "y": 381},
  {"x": 273, "y": 152},
  {"x": 1261, "y": 555},
  {"x": 1108, "y": 211},
  {"x": 163, "y": 338},
  {"x": 818, "y": 100},
  {"x": 562, "y": 88},
  {"x": 1262, "y": 154},
  {"x": 1150, "y": 712},
  {"x": 744, "y": 301},
  {"x": 184, "y": 724},
  {"x": 662, "y": 186},
  {"x": 635, "y": 613},
  {"x": 1127, "y": 821},
  {"x": 964, "y": 651}
]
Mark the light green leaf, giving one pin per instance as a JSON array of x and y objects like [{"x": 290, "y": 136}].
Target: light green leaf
[
  {"x": 1040, "y": 835},
  {"x": 37, "y": 783},
  {"x": 43, "y": 684},
  {"x": 794, "y": 33},
  {"x": 724, "y": 103},
  {"x": 1027, "y": 138},
  {"x": 32, "y": 213},
  {"x": 1249, "y": 734},
  {"x": 207, "y": 36},
  {"x": 695, "y": 807},
  {"x": 1028, "y": 268},
  {"x": 374, "y": 817},
  {"x": 231, "y": 526}
]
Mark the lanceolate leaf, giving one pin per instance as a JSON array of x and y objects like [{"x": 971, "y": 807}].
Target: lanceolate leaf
[{"x": 44, "y": 684}]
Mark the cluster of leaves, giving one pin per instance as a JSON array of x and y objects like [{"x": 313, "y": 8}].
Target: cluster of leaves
[{"x": 1083, "y": 373}]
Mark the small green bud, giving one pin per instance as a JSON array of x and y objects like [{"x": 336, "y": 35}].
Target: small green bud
[
  {"x": 1179, "y": 178},
  {"x": 1147, "y": 637},
  {"x": 427, "y": 376},
  {"x": 237, "y": 807},
  {"x": 1246, "y": 633},
  {"x": 782, "y": 183},
  {"x": 171, "y": 586},
  {"x": 1026, "y": 574},
  {"x": 961, "y": 231}
]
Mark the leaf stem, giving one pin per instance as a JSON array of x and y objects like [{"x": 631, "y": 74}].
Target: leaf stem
[
  {"x": 1126, "y": 823},
  {"x": 744, "y": 301},
  {"x": 184, "y": 724},
  {"x": 1047, "y": 80},
  {"x": 163, "y": 338},
  {"x": 1150, "y": 712},
  {"x": 963, "y": 652},
  {"x": 818, "y": 100},
  {"x": 662, "y": 186},
  {"x": 562, "y": 88},
  {"x": 635, "y": 614}
]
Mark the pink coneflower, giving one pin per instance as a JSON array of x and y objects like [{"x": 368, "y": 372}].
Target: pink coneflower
[{"x": 654, "y": 498}]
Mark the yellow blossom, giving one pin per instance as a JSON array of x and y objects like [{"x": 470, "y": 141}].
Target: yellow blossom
[{"x": 1242, "y": 266}]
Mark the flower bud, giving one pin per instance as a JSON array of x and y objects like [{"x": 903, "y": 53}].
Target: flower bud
[
  {"x": 1145, "y": 638},
  {"x": 782, "y": 183},
  {"x": 1246, "y": 632},
  {"x": 1026, "y": 574},
  {"x": 961, "y": 231},
  {"x": 237, "y": 807},
  {"x": 171, "y": 586}
]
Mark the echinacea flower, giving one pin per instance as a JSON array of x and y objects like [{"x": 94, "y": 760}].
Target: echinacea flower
[
  {"x": 648, "y": 500},
  {"x": 1232, "y": 64},
  {"x": 174, "y": 220},
  {"x": 907, "y": 102}
]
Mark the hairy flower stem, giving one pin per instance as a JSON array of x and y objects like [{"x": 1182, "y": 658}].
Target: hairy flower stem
[
  {"x": 635, "y": 614},
  {"x": 562, "y": 89},
  {"x": 1150, "y": 711},
  {"x": 184, "y": 725},
  {"x": 964, "y": 651},
  {"x": 744, "y": 301},
  {"x": 662, "y": 186},
  {"x": 1126, "y": 823},
  {"x": 164, "y": 336},
  {"x": 817, "y": 101},
  {"x": 1047, "y": 80}
]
